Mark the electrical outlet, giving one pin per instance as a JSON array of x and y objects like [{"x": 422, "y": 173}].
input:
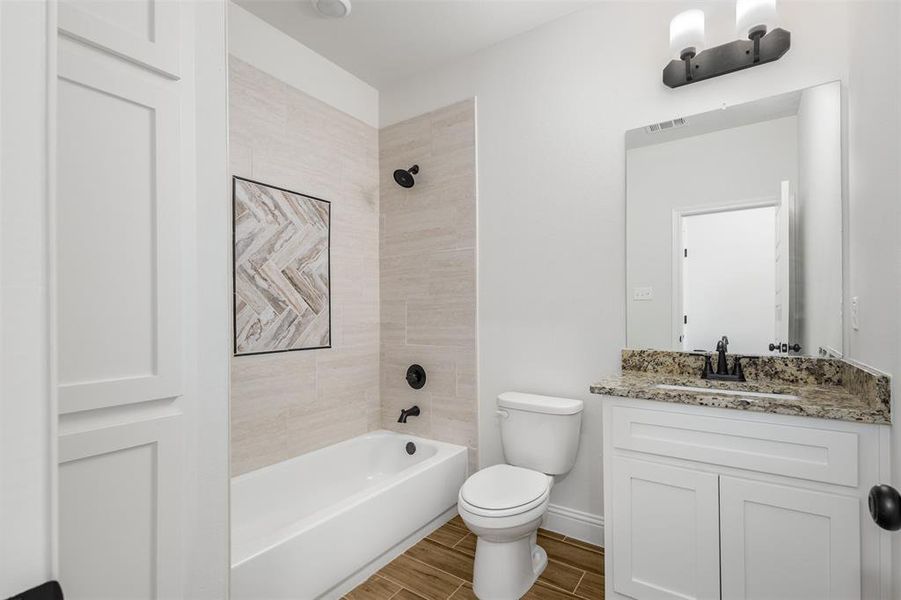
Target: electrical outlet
[
  {"x": 855, "y": 313},
  {"x": 642, "y": 294}
]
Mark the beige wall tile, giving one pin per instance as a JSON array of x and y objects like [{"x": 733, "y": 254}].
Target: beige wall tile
[
  {"x": 427, "y": 273},
  {"x": 289, "y": 403},
  {"x": 403, "y": 274}
]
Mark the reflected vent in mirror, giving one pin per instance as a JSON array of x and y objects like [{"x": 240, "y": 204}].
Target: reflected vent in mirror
[{"x": 664, "y": 125}]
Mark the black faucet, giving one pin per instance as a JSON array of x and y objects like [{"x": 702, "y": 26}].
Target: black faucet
[
  {"x": 722, "y": 369},
  {"x": 408, "y": 412}
]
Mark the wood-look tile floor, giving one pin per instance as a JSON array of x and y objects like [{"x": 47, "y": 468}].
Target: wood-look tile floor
[{"x": 439, "y": 567}]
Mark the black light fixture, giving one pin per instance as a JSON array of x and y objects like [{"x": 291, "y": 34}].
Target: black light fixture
[{"x": 753, "y": 18}]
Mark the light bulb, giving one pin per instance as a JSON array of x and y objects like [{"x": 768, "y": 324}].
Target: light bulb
[
  {"x": 754, "y": 17},
  {"x": 686, "y": 33}
]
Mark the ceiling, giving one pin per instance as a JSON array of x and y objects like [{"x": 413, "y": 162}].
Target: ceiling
[
  {"x": 383, "y": 41},
  {"x": 748, "y": 113}
]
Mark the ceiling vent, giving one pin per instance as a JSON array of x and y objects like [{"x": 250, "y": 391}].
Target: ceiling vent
[{"x": 664, "y": 125}]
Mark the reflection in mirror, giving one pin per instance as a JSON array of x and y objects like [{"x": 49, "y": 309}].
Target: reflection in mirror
[{"x": 734, "y": 227}]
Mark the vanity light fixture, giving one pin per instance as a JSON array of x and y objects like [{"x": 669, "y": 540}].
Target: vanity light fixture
[{"x": 754, "y": 19}]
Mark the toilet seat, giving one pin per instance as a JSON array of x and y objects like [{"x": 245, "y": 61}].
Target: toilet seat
[{"x": 504, "y": 490}]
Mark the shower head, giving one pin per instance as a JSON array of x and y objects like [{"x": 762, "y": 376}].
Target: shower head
[{"x": 405, "y": 178}]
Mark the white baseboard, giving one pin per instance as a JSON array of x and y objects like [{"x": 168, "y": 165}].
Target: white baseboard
[{"x": 576, "y": 524}]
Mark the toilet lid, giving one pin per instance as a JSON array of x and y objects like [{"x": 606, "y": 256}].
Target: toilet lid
[{"x": 503, "y": 487}]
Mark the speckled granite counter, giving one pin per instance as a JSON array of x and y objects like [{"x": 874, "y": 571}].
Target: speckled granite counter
[{"x": 826, "y": 388}]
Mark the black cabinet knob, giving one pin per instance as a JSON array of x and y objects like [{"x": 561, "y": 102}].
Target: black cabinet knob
[
  {"x": 885, "y": 506},
  {"x": 416, "y": 377}
]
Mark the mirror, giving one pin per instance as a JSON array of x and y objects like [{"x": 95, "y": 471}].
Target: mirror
[{"x": 734, "y": 227}]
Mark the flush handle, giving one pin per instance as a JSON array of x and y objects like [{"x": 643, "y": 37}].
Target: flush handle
[
  {"x": 885, "y": 507},
  {"x": 502, "y": 413}
]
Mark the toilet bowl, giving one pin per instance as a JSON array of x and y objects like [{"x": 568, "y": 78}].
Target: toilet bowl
[{"x": 503, "y": 505}]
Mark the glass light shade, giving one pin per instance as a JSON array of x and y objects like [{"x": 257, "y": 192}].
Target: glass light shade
[
  {"x": 686, "y": 32},
  {"x": 751, "y": 15}
]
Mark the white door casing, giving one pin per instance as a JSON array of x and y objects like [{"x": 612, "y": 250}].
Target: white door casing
[{"x": 782, "y": 305}]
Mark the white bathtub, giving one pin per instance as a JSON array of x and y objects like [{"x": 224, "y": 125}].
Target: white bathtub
[{"x": 311, "y": 526}]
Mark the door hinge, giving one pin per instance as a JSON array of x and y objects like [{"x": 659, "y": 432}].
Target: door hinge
[
  {"x": 686, "y": 252},
  {"x": 685, "y": 319}
]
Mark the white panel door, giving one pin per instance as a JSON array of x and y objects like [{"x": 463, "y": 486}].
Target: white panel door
[
  {"x": 143, "y": 31},
  {"x": 665, "y": 531},
  {"x": 117, "y": 231},
  {"x": 718, "y": 297},
  {"x": 124, "y": 188},
  {"x": 782, "y": 543}
]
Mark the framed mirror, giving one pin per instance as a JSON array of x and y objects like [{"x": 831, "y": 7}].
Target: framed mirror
[{"x": 734, "y": 227}]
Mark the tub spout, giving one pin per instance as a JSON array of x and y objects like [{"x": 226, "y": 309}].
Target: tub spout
[{"x": 408, "y": 412}]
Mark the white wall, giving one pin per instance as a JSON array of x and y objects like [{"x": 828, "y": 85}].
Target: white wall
[
  {"x": 259, "y": 44},
  {"x": 819, "y": 209},
  {"x": 553, "y": 107},
  {"x": 26, "y": 436},
  {"x": 872, "y": 166},
  {"x": 740, "y": 164}
]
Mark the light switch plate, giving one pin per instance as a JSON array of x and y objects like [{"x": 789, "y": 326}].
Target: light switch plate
[
  {"x": 642, "y": 293},
  {"x": 855, "y": 313}
]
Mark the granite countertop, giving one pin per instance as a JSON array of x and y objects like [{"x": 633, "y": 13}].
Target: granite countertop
[{"x": 825, "y": 388}]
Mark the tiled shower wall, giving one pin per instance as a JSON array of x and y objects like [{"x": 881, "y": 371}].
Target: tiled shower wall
[
  {"x": 428, "y": 275},
  {"x": 283, "y": 405}
]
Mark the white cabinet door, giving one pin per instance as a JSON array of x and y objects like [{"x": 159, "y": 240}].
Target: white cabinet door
[
  {"x": 782, "y": 543},
  {"x": 665, "y": 531}
]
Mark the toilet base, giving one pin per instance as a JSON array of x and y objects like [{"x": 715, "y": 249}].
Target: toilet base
[{"x": 506, "y": 570}]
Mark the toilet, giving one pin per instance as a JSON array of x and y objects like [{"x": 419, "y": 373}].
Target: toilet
[{"x": 503, "y": 504}]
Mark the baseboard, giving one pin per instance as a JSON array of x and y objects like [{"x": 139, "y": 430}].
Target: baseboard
[
  {"x": 576, "y": 524},
  {"x": 375, "y": 565}
]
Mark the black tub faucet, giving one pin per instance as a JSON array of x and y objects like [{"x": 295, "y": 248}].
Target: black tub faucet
[{"x": 413, "y": 411}]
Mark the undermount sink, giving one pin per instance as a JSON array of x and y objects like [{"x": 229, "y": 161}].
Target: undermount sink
[{"x": 720, "y": 391}]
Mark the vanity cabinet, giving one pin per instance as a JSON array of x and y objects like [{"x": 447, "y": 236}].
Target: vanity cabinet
[
  {"x": 779, "y": 541},
  {"x": 715, "y": 503},
  {"x": 667, "y": 531}
]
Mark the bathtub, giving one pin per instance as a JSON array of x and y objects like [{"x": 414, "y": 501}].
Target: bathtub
[{"x": 315, "y": 525}]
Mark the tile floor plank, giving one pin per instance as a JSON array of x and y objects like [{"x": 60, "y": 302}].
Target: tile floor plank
[
  {"x": 570, "y": 554},
  {"x": 540, "y": 591},
  {"x": 458, "y": 522},
  {"x": 439, "y": 567},
  {"x": 561, "y": 575},
  {"x": 448, "y": 534},
  {"x": 464, "y": 593},
  {"x": 405, "y": 594},
  {"x": 420, "y": 578},
  {"x": 467, "y": 545},
  {"x": 443, "y": 558},
  {"x": 585, "y": 545},
  {"x": 551, "y": 534},
  {"x": 591, "y": 587},
  {"x": 374, "y": 588}
]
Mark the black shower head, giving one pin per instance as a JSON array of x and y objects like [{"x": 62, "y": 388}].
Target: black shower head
[{"x": 405, "y": 178}]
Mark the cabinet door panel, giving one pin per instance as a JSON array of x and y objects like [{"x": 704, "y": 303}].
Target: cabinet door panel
[
  {"x": 665, "y": 532},
  {"x": 782, "y": 542}
]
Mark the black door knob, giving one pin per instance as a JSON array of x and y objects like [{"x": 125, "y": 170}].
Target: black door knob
[{"x": 885, "y": 506}]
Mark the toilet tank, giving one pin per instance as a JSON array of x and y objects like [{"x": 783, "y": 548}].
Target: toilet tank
[{"x": 539, "y": 432}]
